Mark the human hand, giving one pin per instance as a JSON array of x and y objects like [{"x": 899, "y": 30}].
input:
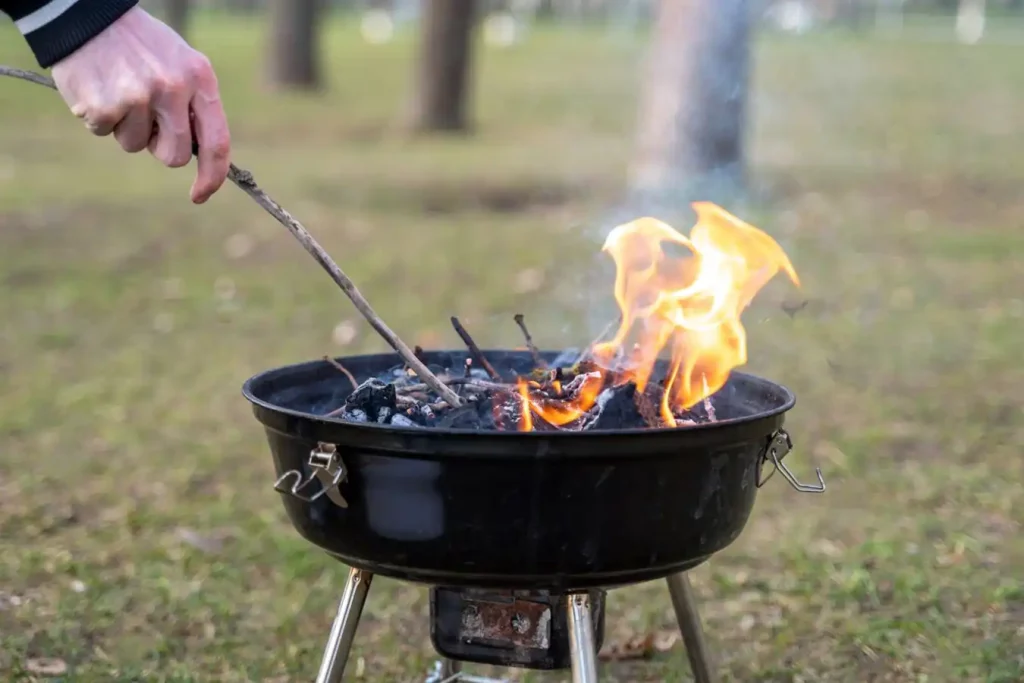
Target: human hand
[{"x": 142, "y": 82}]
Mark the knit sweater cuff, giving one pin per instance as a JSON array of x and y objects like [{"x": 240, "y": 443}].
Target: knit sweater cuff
[{"x": 59, "y": 27}]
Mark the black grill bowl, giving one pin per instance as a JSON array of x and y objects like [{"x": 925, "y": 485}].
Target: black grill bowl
[{"x": 539, "y": 510}]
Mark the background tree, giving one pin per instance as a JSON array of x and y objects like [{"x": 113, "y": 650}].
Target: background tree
[
  {"x": 441, "y": 95},
  {"x": 176, "y": 14},
  {"x": 693, "y": 111},
  {"x": 294, "y": 44}
]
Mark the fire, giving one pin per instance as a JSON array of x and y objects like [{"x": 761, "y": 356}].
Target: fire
[{"x": 688, "y": 304}]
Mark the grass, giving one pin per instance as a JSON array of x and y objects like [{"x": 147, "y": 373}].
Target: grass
[{"x": 140, "y": 537}]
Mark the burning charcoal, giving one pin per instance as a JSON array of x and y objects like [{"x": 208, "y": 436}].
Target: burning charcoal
[
  {"x": 383, "y": 414},
  {"x": 648, "y": 409},
  {"x": 371, "y": 396},
  {"x": 354, "y": 416},
  {"x": 617, "y": 409}
]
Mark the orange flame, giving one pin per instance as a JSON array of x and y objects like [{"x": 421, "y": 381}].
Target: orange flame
[
  {"x": 560, "y": 412},
  {"x": 525, "y": 416},
  {"x": 690, "y": 303}
]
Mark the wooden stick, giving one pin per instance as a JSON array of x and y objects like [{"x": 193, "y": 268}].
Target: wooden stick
[
  {"x": 534, "y": 351},
  {"x": 474, "y": 350},
  {"x": 341, "y": 368},
  {"x": 244, "y": 181}
]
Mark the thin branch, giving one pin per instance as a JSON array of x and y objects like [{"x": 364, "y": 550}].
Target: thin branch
[
  {"x": 343, "y": 369},
  {"x": 534, "y": 351},
  {"x": 244, "y": 180},
  {"x": 474, "y": 350}
]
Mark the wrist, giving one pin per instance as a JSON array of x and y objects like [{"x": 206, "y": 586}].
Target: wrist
[{"x": 58, "y": 28}]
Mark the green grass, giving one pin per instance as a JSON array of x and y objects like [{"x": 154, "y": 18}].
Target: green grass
[{"x": 890, "y": 172}]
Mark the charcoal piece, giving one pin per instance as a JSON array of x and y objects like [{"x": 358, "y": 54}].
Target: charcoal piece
[
  {"x": 402, "y": 421},
  {"x": 465, "y": 416},
  {"x": 617, "y": 409},
  {"x": 371, "y": 396},
  {"x": 474, "y": 414},
  {"x": 384, "y": 414},
  {"x": 354, "y": 415}
]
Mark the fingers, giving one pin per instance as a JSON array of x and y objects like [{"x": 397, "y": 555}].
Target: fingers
[
  {"x": 172, "y": 144},
  {"x": 211, "y": 130},
  {"x": 134, "y": 131},
  {"x": 99, "y": 119}
]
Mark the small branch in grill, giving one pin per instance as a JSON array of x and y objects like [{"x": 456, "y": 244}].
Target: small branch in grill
[
  {"x": 343, "y": 369},
  {"x": 474, "y": 350},
  {"x": 534, "y": 351},
  {"x": 244, "y": 180}
]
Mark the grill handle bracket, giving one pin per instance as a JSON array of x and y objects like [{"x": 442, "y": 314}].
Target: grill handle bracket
[
  {"x": 779, "y": 444},
  {"x": 326, "y": 467}
]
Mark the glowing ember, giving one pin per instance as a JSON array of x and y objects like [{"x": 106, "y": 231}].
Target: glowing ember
[{"x": 687, "y": 304}]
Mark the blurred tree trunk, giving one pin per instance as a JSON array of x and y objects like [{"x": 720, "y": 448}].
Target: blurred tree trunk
[
  {"x": 545, "y": 9},
  {"x": 176, "y": 15},
  {"x": 294, "y": 46},
  {"x": 693, "y": 110},
  {"x": 242, "y": 6},
  {"x": 441, "y": 96}
]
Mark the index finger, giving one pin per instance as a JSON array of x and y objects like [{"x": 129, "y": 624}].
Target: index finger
[{"x": 210, "y": 127}]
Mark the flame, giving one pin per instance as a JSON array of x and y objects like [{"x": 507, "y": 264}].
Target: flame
[
  {"x": 525, "y": 416},
  {"x": 689, "y": 304}
]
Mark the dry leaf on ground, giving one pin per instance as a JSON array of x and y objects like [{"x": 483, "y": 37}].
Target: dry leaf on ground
[
  {"x": 46, "y": 666},
  {"x": 639, "y": 647}
]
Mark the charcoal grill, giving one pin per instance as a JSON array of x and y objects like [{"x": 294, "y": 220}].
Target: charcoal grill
[{"x": 519, "y": 534}]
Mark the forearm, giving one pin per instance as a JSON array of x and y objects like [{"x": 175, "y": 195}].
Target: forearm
[{"x": 56, "y": 28}]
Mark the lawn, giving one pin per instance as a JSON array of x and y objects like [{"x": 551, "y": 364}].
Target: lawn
[{"x": 140, "y": 538}]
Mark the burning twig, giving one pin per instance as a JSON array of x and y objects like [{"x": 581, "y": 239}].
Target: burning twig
[
  {"x": 534, "y": 351},
  {"x": 474, "y": 350},
  {"x": 342, "y": 368},
  {"x": 604, "y": 333},
  {"x": 244, "y": 181}
]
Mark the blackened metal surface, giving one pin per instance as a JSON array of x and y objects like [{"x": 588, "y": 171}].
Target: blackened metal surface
[
  {"x": 506, "y": 628},
  {"x": 543, "y": 510}
]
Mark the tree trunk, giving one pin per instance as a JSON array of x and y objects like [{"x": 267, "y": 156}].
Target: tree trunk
[
  {"x": 692, "y": 118},
  {"x": 441, "y": 95},
  {"x": 294, "y": 45},
  {"x": 242, "y": 6},
  {"x": 176, "y": 15}
]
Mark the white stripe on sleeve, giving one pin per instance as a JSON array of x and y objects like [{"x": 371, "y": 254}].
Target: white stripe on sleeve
[{"x": 43, "y": 16}]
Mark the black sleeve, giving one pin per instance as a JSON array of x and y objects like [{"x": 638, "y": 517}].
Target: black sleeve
[{"x": 56, "y": 28}]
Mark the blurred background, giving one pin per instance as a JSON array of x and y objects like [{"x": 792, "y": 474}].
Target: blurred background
[{"x": 468, "y": 158}]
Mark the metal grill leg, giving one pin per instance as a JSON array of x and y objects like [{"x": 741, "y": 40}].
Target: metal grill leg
[
  {"x": 343, "y": 630},
  {"x": 582, "y": 645},
  {"x": 685, "y": 604}
]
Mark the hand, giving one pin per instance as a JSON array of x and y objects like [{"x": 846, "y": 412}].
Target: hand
[{"x": 142, "y": 82}]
